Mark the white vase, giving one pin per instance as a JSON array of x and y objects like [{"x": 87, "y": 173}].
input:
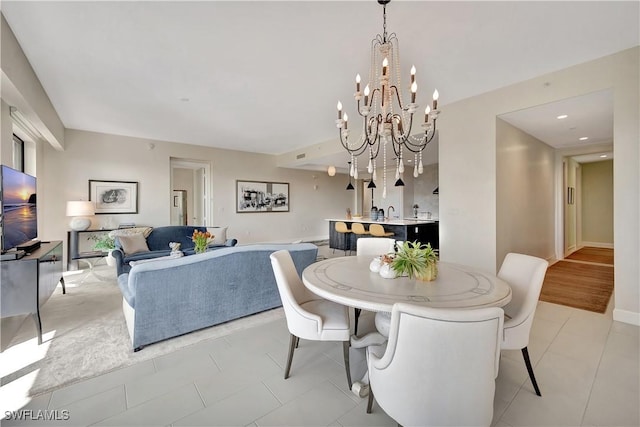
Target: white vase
[
  {"x": 375, "y": 264},
  {"x": 387, "y": 272},
  {"x": 111, "y": 261}
]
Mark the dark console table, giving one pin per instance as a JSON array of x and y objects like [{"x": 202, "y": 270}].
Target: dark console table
[
  {"x": 28, "y": 282},
  {"x": 73, "y": 248}
]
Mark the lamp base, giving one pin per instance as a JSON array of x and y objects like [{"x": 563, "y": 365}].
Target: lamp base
[{"x": 80, "y": 223}]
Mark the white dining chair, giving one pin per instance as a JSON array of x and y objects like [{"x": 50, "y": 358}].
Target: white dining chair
[
  {"x": 374, "y": 246},
  {"x": 308, "y": 316},
  {"x": 439, "y": 366},
  {"x": 371, "y": 246},
  {"x": 525, "y": 275}
]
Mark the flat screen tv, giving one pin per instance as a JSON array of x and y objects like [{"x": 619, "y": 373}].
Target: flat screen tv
[{"x": 19, "y": 215}]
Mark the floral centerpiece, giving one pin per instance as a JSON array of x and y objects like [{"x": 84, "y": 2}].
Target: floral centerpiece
[
  {"x": 201, "y": 239},
  {"x": 416, "y": 261}
]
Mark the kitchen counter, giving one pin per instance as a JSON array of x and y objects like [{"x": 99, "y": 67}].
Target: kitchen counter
[
  {"x": 421, "y": 230},
  {"x": 391, "y": 221}
]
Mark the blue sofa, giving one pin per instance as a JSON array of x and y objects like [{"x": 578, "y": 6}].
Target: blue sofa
[
  {"x": 158, "y": 243},
  {"x": 170, "y": 297}
]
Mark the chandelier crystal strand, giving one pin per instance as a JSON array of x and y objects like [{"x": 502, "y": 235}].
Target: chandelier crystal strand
[
  {"x": 386, "y": 118},
  {"x": 384, "y": 170},
  {"x": 355, "y": 171}
]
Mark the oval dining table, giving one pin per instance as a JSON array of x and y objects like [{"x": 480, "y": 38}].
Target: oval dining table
[{"x": 348, "y": 281}]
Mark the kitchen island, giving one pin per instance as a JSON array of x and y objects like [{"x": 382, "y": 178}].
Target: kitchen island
[{"x": 422, "y": 230}]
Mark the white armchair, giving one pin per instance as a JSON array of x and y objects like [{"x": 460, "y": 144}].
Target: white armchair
[
  {"x": 525, "y": 274},
  {"x": 308, "y": 316},
  {"x": 439, "y": 367}
]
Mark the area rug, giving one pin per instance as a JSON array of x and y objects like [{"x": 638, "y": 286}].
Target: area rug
[
  {"x": 85, "y": 335},
  {"x": 579, "y": 285},
  {"x": 591, "y": 254}
]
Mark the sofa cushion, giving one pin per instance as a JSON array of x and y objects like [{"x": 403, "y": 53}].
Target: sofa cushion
[
  {"x": 145, "y": 255},
  {"x": 219, "y": 233},
  {"x": 160, "y": 237},
  {"x": 133, "y": 244}
]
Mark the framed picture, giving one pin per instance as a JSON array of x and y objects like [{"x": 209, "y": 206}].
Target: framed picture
[
  {"x": 114, "y": 197},
  {"x": 261, "y": 196}
]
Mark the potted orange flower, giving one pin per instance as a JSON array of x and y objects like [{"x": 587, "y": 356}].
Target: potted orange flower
[{"x": 201, "y": 239}]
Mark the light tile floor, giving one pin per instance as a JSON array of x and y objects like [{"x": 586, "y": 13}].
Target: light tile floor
[{"x": 586, "y": 365}]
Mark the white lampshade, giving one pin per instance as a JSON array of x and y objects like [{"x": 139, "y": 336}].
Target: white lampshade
[{"x": 79, "y": 210}]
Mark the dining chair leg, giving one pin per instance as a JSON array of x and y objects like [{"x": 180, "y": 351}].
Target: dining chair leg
[
  {"x": 293, "y": 340},
  {"x": 356, "y": 312},
  {"x": 345, "y": 352},
  {"x": 370, "y": 400},
  {"x": 527, "y": 361}
]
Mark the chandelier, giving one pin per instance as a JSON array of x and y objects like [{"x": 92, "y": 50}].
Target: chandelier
[{"x": 387, "y": 118}]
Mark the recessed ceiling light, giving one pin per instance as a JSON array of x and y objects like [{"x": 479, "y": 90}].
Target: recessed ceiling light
[
  {"x": 603, "y": 156},
  {"x": 584, "y": 138},
  {"x": 563, "y": 116}
]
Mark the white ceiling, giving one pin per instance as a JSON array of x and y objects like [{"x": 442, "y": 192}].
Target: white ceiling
[{"x": 265, "y": 76}]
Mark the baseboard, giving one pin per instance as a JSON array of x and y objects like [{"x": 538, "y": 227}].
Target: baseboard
[
  {"x": 625, "y": 316},
  {"x": 597, "y": 245}
]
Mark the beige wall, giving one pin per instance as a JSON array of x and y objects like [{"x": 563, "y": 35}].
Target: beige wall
[
  {"x": 597, "y": 203},
  {"x": 468, "y": 202},
  {"x": 65, "y": 175},
  {"x": 22, "y": 89},
  {"x": 525, "y": 194}
]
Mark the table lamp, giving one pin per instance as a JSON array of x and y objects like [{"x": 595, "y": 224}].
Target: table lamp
[{"x": 79, "y": 211}]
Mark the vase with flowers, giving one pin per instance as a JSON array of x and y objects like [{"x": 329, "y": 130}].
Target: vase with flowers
[
  {"x": 416, "y": 260},
  {"x": 201, "y": 240}
]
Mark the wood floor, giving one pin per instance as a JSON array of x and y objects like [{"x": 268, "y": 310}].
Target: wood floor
[
  {"x": 590, "y": 254},
  {"x": 584, "y": 280}
]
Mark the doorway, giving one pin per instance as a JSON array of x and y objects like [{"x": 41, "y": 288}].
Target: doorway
[
  {"x": 189, "y": 201},
  {"x": 588, "y": 204}
]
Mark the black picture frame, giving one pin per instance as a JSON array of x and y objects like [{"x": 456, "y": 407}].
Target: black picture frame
[
  {"x": 114, "y": 197},
  {"x": 262, "y": 196}
]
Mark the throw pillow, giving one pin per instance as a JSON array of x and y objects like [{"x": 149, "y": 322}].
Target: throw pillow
[
  {"x": 145, "y": 231},
  {"x": 134, "y": 243},
  {"x": 219, "y": 233}
]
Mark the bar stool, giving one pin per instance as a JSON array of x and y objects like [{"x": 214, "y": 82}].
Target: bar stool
[
  {"x": 377, "y": 230},
  {"x": 358, "y": 229},
  {"x": 341, "y": 227}
]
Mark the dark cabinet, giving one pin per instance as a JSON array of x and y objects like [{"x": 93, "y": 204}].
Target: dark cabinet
[
  {"x": 422, "y": 232},
  {"x": 27, "y": 283}
]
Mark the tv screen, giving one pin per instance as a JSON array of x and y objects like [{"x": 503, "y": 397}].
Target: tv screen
[{"x": 19, "y": 216}]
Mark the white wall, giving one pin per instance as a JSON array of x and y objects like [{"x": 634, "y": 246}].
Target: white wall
[
  {"x": 89, "y": 155},
  {"x": 468, "y": 205},
  {"x": 525, "y": 194}
]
